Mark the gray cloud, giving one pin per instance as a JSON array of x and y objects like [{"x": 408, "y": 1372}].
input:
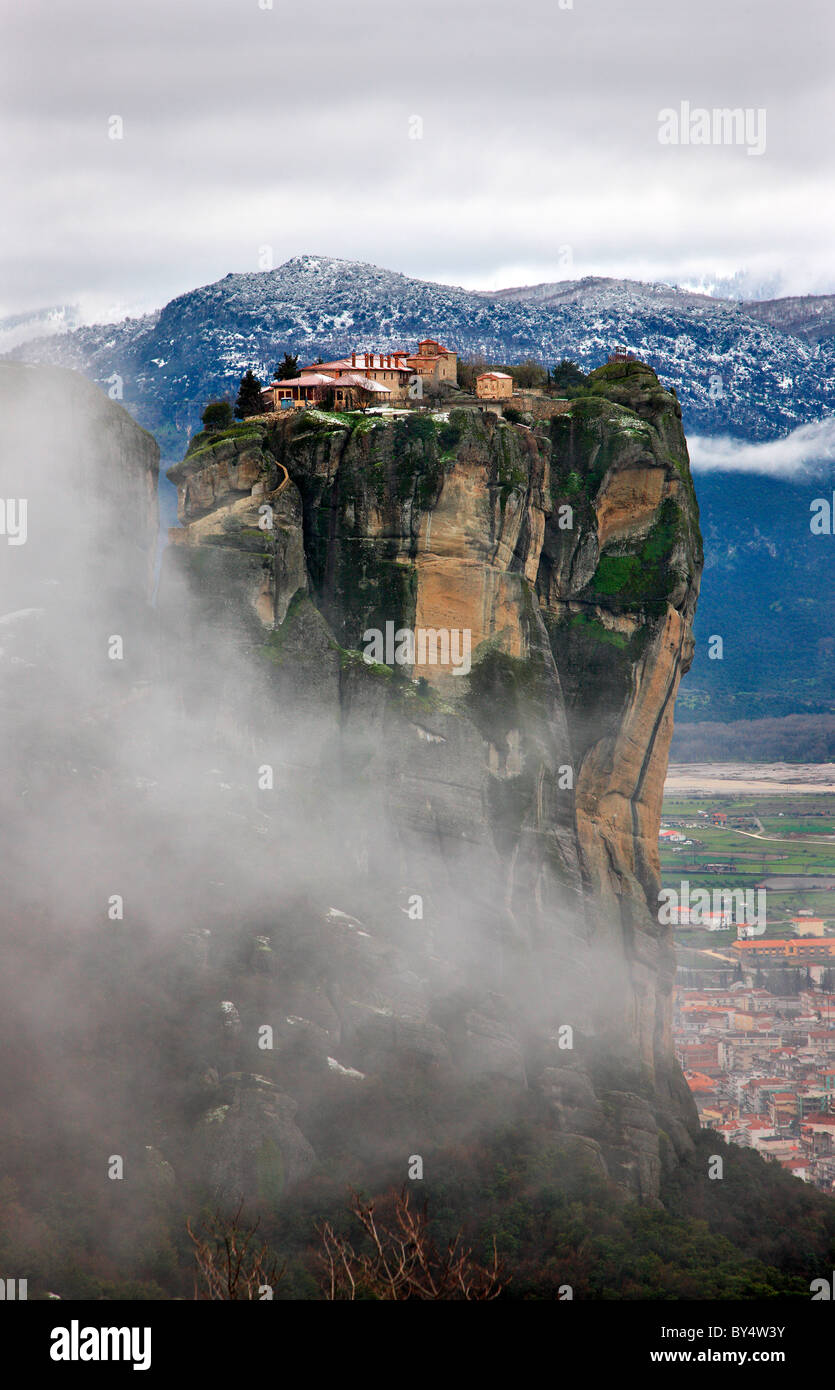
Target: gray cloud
[{"x": 245, "y": 127}]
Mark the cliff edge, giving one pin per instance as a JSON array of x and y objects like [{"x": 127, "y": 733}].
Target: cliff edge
[{"x": 486, "y": 910}]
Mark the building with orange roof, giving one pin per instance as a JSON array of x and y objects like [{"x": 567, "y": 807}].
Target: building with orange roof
[
  {"x": 699, "y": 1083},
  {"x": 798, "y": 1167},
  {"x": 313, "y": 388},
  {"x": 386, "y": 368},
  {"x": 434, "y": 362},
  {"x": 390, "y": 373},
  {"x": 784, "y": 1107},
  {"x": 494, "y": 386},
  {"x": 808, "y": 926},
  {"x": 781, "y": 948}
]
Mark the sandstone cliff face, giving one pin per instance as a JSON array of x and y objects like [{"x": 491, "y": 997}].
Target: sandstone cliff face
[{"x": 518, "y": 804}]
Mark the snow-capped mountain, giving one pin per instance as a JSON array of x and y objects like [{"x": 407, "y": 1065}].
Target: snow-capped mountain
[
  {"x": 736, "y": 370},
  {"x": 809, "y": 316}
]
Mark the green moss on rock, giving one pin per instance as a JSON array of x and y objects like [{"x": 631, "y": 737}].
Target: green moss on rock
[
  {"x": 501, "y": 691},
  {"x": 208, "y": 439},
  {"x": 646, "y": 577}
]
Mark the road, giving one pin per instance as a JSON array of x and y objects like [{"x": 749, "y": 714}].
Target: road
[{"x": 780, "y": 839}]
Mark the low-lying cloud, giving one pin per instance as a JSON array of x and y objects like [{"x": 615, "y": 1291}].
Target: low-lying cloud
[{"x": 805, "y": 450}]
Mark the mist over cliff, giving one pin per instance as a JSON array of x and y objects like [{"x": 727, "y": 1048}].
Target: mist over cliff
[{"x": 280, "y": 918}]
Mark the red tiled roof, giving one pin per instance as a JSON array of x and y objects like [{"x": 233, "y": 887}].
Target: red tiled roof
[
  {"x": 366, "y": 382},
  {"x": 697, "y": 1081},
  {"x": 307, "y": 378},
  {"x": 439, "y": 350},
  {"x": 345, "y": 364}
]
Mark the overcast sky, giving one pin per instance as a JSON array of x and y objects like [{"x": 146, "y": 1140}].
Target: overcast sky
[{"x": 289, "y": 128}]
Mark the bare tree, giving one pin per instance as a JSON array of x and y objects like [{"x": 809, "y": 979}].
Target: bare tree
[
  {"x": 470, "y": 369},
  {"x": 324, "y": 397},
  {"x": 229, "y": 1266},
  {"x": 364, "y": 396},
  {"x": 401, "y": 1261},
  {"x": 528, "y": 373}
]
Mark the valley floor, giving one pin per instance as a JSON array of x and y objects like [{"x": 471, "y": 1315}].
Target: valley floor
[{"x": 734, "y": 779}]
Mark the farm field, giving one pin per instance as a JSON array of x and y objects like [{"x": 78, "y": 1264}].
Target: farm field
[{"x": 792, "y": 848}]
